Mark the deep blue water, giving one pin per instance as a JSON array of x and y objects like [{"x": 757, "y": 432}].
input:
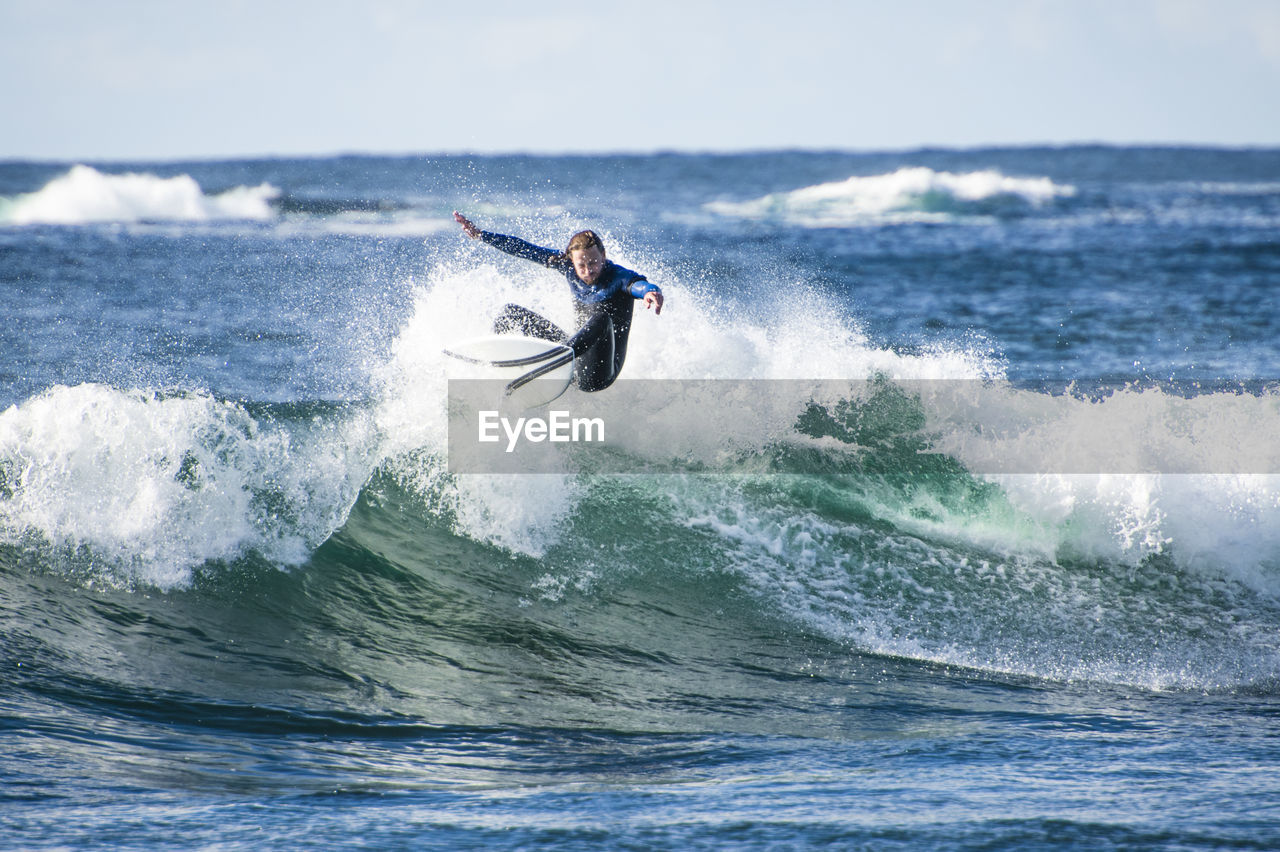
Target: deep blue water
[{"x": 245, "y": 603}]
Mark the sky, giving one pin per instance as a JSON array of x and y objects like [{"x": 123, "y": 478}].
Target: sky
[{"x": 171, "y": 79}]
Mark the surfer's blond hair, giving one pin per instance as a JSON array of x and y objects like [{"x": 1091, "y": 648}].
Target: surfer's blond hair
[{"x": 583, "y": 240}]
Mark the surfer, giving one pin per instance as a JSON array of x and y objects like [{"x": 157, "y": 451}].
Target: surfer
[{"x": 604, "y": 295}]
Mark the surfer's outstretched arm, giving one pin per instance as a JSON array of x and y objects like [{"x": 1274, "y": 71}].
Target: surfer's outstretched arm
[{"x": 511, "y": 245}]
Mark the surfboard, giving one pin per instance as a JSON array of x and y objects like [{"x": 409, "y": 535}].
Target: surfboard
[{"x": 533, "y": 372}]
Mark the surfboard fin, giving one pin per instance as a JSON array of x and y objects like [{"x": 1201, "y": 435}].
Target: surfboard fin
[
  {"x": 514, "y": 362},
  {"x": 529, "y": 371},
  {"x": 541, "y": 370}
]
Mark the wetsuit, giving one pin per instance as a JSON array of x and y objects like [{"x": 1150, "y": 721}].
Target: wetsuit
[{"x": 603, "y": 312}]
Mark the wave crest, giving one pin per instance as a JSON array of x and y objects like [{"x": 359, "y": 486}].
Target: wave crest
[
  {"x": 85, "y": 195},
  {"x": 909, "y": 193},
  {"x": 161, "y": 483}
]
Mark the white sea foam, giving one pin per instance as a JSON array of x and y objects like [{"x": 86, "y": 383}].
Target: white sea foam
[
  {"x": 85, "y": 195},
  {"x": 1118, "y": 480},
  {"x": 156, "y": 485},
  {"x": 1132, "y": 474},
  {"x": 519, "y": 513},
  {"x": 910, "y": 193}
]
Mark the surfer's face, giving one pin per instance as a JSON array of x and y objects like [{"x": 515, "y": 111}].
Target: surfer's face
[{"x": 588, "y": 263}]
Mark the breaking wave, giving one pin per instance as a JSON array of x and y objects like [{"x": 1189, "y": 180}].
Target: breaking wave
[
  {"x": 910, "y": 193},
  {"x": 85, "y": 195}
]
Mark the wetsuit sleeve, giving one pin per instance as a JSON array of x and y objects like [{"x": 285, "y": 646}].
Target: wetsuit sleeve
[
  {"x": 641, "y": 288},
  {"x": 520, "y": 248}
]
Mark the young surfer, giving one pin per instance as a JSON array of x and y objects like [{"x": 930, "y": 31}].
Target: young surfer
[{"x": 604, "y": 295}]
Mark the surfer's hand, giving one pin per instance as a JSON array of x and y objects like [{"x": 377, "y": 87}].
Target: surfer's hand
[
  {"x": 467, "y": 225},
  {"x": 653, "y": 299}
]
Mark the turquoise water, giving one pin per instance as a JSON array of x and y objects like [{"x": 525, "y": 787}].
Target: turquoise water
[{"x": 245, "y": 602}]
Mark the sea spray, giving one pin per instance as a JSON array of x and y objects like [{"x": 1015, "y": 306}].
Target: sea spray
[{"x": 520, "y": 513}]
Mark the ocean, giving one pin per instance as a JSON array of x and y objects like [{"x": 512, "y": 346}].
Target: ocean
[{"x": 1000, "y": 570}]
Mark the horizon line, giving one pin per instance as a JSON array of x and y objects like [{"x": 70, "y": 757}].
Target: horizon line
[{"x": 23, "y": 159}]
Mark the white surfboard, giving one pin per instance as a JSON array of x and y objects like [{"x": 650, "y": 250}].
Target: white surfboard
[{"x": 533, "y": 372}]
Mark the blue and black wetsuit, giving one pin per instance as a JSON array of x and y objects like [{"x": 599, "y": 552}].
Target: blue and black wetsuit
[{"x": 603, "y": 312}]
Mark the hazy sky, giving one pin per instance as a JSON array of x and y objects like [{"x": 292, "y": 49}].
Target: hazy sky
[{"x": 169, "y": 79}]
